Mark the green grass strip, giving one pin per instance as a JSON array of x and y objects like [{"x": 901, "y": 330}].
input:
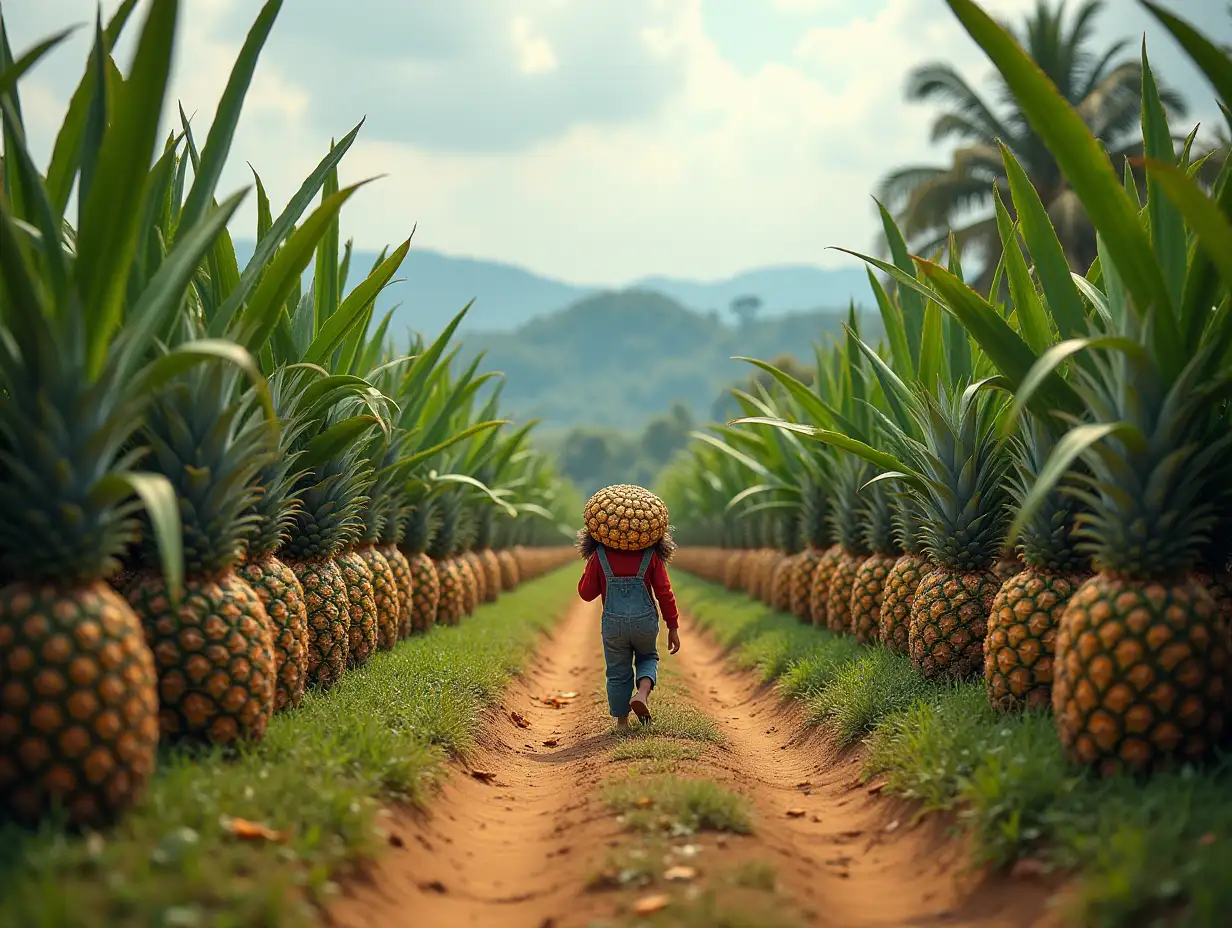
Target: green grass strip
[
  {"x": 319, "y": 775},
  {"x": 1147, "y": 851}
]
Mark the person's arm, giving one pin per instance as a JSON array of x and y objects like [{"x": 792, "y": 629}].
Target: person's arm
[
  {"x": 663, "y": 592},
  {"x": 589, "y": 587}
]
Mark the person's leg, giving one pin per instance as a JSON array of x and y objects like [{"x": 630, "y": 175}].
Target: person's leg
[
  {"x": 618, "y": 656},
  {"x": 645, "y": 668}
]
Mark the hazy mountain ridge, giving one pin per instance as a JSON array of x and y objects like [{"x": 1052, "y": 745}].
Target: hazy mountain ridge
[{"x": 432, "y": 287}]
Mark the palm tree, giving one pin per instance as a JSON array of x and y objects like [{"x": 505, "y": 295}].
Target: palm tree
[{"x": 1106, "y": 88}]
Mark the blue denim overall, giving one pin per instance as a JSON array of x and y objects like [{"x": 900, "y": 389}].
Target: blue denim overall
[{"x": 630, "y": 629}]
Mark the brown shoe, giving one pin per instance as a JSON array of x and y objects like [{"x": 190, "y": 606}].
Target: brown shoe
[{"x": 640, "y": 709}]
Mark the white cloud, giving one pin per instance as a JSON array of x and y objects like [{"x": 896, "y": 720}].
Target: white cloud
[{"x": 704, "y": 170}]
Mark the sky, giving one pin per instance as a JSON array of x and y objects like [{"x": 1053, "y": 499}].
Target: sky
[{"x": 593, "y": 141}]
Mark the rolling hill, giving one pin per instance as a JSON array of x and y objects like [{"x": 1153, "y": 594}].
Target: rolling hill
[
  {"x": 435, "y": 286},
  {"x": 616, "y": 359}
]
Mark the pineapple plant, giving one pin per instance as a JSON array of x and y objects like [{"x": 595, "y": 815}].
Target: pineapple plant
[
  {"x": 783, "y": 579},
  {"x": 847, "y": 516},
  {"x": 79, "y": 725},
  {"x": 816, "y": 529},
  {"x": 1022, "y": 626},
  {"x": 1140, "y": 674},
  {"x": 331, "y": 497},
  {"x": 393, "y": 530},
  {"x": 962, "y": 527},
  {"x": 869, "y": 587},
  {"x": 443, "y": 550},
  {"x": 361, "y": 601},
  {"x": 904, "y": 577},
  {"x": 425, "y": 581},
  {"x": 213, "y": 646}
]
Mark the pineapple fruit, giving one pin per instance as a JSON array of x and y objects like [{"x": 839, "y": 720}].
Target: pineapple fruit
[
  {"x": 904, "y": 577},
  {"x": 361, "y": 600},
  {"x": 868, "y": 588},
  {"x": 962, "y": 524},
  {"x": 847, "y": 518},
  {"x": 425, "y": 583},
  {"x": 1022, "y": 625},
  {"x": 332, "y": 493},
  {"x": 214, "y": 648},
  {"x": 816, "y": 530}
]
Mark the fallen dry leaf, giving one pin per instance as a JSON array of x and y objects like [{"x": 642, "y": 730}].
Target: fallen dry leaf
[
  {"x": 519, "y": 720},
  {"x": 253, "y": 831},
  {"x": 551, "y": 742},
  {"x": 795, "y": 813},
  {"x": 893, "y": 826},
  {"x": 679, "y": 873},
  {"x": 569, "y": 695},
  {"x": 484, "y": 776},
  {"x": 644, "y": 803},
  {"x": 876, "y": 789},
  {"x": 1027, "y": 868},
  {"x": 804, "y": 785},
  {"x": 648, "y": 905}
]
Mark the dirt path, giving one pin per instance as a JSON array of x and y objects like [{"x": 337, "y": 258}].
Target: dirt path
[{"x": 518, "y": 845}]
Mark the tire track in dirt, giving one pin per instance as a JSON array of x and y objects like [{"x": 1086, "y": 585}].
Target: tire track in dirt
[
  {"x": 508, "y": 850},
  {"x": 517, "y": 850},
  {"x": 848, "y": 853}
]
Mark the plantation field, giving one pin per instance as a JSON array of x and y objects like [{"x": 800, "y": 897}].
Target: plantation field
[
  {"x": 317, "y": 781},
  {"x": 1140, "y": 848}
]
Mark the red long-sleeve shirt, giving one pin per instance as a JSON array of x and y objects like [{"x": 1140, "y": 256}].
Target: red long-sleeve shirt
[{"x": 625, "y": 564}]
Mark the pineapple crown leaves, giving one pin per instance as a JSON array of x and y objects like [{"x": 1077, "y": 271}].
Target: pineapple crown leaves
[
  {"x": 1048, "y": 538},
  {"x": 201, "y": 439},
  {"x": 877, "y": 526},
  {"x": 93, "y": 303},
  {"x": 847, "y": 510}
]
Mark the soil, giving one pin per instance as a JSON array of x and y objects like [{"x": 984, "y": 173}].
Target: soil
[{"x": 519, "y": 831}]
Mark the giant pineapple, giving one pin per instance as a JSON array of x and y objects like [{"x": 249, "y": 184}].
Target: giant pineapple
[
  {"x": 962, "y": 528},
  {"x": 214, "y": 648},
  {"x": 332, "y": 493},
  {"x": 443, "y": 549},
  {"x": 847, "y": 519},
  {"x": 273, "y": 581},
  {"x": 868, "y": 588},
  {"x": 814, "y": 525},
  {"x": 425, "y": 583},
  {"x": 1022, "y": 625},
  {"x": 904, "y": 577}
]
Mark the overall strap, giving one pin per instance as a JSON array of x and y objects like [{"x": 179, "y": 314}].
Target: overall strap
[
  {"x": 641, "y": 571},
  {"x": 603, "y": 562}
]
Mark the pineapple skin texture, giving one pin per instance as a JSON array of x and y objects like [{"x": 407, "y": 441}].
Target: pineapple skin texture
[
  {"x": 362, "y": 603},
  {"x": 427, "y": 592},
  {"x": 838, "y": 597},
  {"x": 780, "y": 584},
  {"x": 732, "y": 571},
  {"x": 625, "y": 517},
  {"x": 400, "y": 567},
  {"x": 449, "y": 608},
  {"x": 470, "y": 589},
  {"x": 898, "y": 595},
  {"x": 491, "y": 575},
  {"x": 385, "y": 596},
  {"x": 215, "y": 658},
  {"x": 1141, "y": 673},
  {"x": 481, "y": 577},
  {"x": 78, "y": 704},
  {"x": 819, "y": 589},
  {"x": 1021, "y": 641},
  {"x": 329, "y": 619},
  {"x": 801, "y": 583},
  {"x": 949, "y": 620},
  {"x": 283, "y": 598},
  {"x": 867, "y": 594},
  {"x": 510, "y": 575}
]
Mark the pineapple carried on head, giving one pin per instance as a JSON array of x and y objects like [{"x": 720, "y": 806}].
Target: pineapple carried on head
[{"x": 626, "y": 517}]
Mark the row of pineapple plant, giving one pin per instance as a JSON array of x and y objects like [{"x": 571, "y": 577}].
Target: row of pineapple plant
[
  {"x": 213, "y": 478},
  {"x": 1048, "y": 473}
]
